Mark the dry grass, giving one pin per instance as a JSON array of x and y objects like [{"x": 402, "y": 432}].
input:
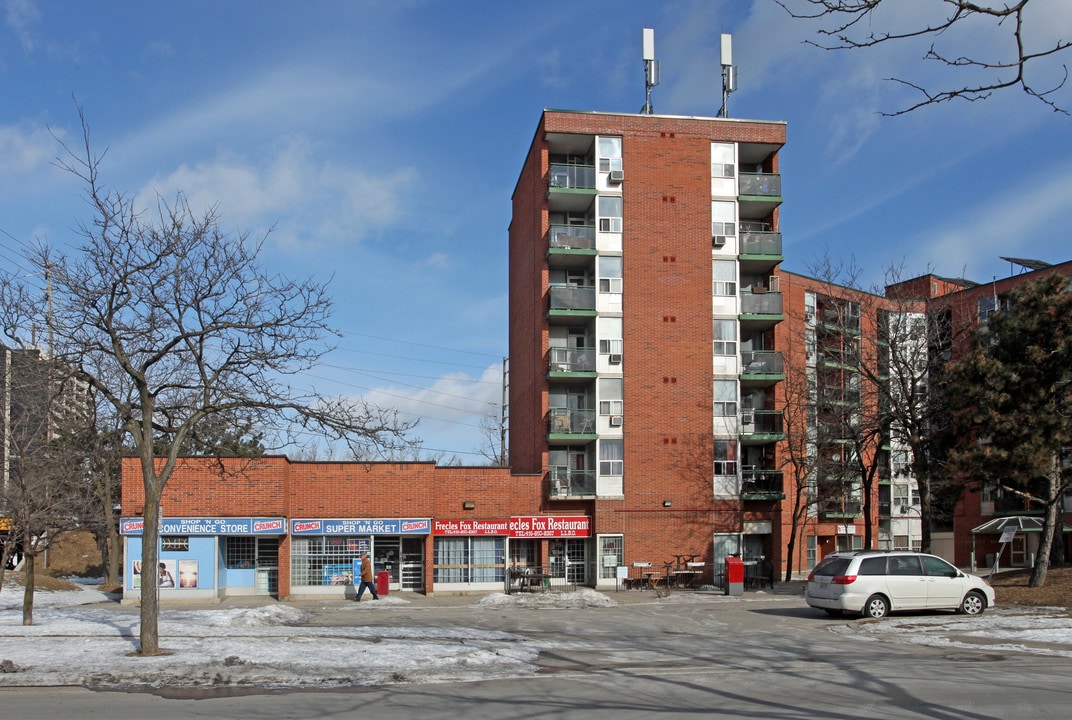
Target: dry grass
[{"x": 1011, "y": 588}]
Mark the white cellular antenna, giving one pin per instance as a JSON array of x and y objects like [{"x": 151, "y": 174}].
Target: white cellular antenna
[
  {"x": 651, "y": 69},
  {"x": 729, "y": 74}
]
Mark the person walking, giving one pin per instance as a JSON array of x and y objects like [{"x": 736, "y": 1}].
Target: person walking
[{"x": 366, "y": 579}]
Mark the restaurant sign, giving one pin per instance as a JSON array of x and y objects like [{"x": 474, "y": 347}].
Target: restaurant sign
[{"x": 518, "y": 527}]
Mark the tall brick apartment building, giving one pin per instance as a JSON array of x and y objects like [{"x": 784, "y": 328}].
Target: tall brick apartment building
[{"x": 643, "y": 301}]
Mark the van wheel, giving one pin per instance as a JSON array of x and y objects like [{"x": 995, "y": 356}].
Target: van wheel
[
  {"x": 876, "y": 607},
  {"x": 972, "y": 604}
]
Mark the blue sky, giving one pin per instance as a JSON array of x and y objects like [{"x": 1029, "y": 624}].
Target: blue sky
[{"x": 381, "y": 141}]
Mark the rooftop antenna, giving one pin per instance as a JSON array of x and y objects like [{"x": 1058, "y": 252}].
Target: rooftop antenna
[
  {"x": 729, "y": 74},
  {"x": 651, "y": 69}
]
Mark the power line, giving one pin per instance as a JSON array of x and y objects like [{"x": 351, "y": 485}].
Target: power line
[{"x": 417, "y": 344}]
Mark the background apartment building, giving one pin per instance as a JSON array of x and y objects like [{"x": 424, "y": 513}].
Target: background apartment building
[{"x": 643, "y": 301}]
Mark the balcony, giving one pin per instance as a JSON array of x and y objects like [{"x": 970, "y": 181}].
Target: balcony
[
  {"x": 760, "y": 250},
  {"x": 566, "y": 484},
  {"x": 760, "y": 310},
  {"x": 759, "y": 427},
  {"x": 572, "y": 237},
  {"x": 565, "y": 361},
  {"x": 759, "y": 194},
  {"x": 760, "y": 368},
  {"x": 572, "y": 301},
  {"x": 566, "y": 422},
  {"x": 571, "y": 187},
  {"x": 839, "y": 508},
  {"x": 759, "y": 484}
]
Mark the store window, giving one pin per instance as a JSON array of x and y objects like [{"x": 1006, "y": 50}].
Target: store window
[
  {"x": 610, "y": 556},
  {"x": 469, "y": 560},
  {"x": 327, "y": 560},
  {"x": 240, "y": 552}
]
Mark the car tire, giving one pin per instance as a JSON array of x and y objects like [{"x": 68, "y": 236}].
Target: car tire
[
  {"x": 973, "y": 604},
  {"x": 834, "y": 612},
  {"x": 876, "y": 607}
]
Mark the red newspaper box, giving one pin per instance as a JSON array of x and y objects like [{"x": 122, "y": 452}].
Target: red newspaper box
[
  {"x": 734, "y": 576},
  {"x": 383, "y": 581}
]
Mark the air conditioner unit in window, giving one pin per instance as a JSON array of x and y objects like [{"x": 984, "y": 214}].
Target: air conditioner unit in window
[
  {"x": 615, "y": 358},
  {"x": 616, "y": 420},
  {"x": 616, "y": 176},
  {"x": 748, "y": 419},
  {"x": 719, "y": 240}
]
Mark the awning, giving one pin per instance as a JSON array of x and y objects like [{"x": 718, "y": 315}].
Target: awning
[{"x": 1022, "y": 523}]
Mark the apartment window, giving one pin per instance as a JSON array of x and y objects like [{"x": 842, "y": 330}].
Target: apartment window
[
  {"x": 609, "y": 270},
  {"x": 609, "y": 332},
  {"x": 723, "y": 162},
  {"x": 725, "y": 398},
  {"x": 725, "y": 457},
  {"x": 610, "y": 213},
  {"x": 725, "y": 337},
  {"x": 723, "y": 217},
  {"x": 724, "y": 274},
  {"x": 610, "y": 396},
  {"x": 175, "y": 543},
  {"x": 611, "y": 457},
  {"x": 610, "y": 153}
]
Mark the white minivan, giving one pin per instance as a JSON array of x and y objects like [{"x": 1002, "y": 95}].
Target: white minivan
[{"x": 874, "y": 583}]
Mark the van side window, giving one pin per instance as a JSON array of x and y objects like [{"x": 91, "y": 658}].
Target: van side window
[
  {"x": 873, "y": 566},
  {"x": 903, "y": 565}
]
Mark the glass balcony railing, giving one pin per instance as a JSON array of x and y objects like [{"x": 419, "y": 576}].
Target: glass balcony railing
[
  {"x": 572, "y": 297},
  {"x": 573, "y": 177},
  {"x": 760, "y": 184},
  {"x": 572, "y": 359},
  {"x": 766, "y": 303},
  {"x": 756, "y": 482},
  {"x": 571, "y": 483},
  {"x": 760, "y": 243},
  {"x": 573, "y": 237},
  {"x": 840, "y": 507},
  {"x": 564, "y": 421},
  {"x": 762, "y": 362},
  {"x": 762, "y": 422}
]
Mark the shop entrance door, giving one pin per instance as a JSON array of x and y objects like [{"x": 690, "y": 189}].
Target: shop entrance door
[{"x": 412, "y": 570}]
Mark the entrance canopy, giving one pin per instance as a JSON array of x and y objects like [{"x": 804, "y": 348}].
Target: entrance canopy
[{"x": 1022, "y": 523}]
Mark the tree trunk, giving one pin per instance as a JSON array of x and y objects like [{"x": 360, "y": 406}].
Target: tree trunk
[
  {"x": 28, "y": 562},
  {"x": 150, "y": 577},
  {"x": 1049, "y": 526},
  {"x": 923, "y": 491}
]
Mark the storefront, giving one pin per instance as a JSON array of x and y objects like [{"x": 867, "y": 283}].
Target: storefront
[
  {"x": 323, "y": 552},
  {"x": 207, "y": 558},
  {"x": 474, "y": 555}
]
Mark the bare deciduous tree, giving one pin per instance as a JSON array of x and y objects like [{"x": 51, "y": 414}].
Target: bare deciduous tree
[
  {"x": 854, "y": 26},
  {"x": 173, "y": 322}
]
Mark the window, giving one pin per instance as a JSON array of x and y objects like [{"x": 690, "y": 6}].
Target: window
[
  {"x": 609, "y": 331},
  {"x": 725, "y": 398},
  {"x": 240, "y": 552},
  {"x": 610, "y": 396},
  {"x": 725, "y": 457},
  {"x": 723, "y": 163},
  {"x": 469, "y": 559},
  {"x": 725, "y": 337},
  {"x": 175, "y": 543},
  {"x": 321, "y": 560},
  {"x": 610, "y": 273},
  {"x": 610, "y": 213},
  {"x": 611, "y": 453},
  {"x": 610, "y": 153},
  {"x": 723, "y": 217},
  {"x": 610, "y": 556},
  {"x": 724, "y": 275}
]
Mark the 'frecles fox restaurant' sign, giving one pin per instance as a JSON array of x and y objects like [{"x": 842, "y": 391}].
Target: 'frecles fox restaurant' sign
[{"x": 553, "y": 526}]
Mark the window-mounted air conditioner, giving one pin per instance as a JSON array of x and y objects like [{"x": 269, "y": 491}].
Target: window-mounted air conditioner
[
  {"x": 615, "y": 358},
  {"x": 719, "y": 240},
  {"x": 748, "y": 419},
  {"x": 616, "y": 420},
  {"x": 616, "y": 176}
]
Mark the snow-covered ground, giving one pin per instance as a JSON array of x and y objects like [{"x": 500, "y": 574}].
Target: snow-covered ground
[{"x": 272, "y": 646}]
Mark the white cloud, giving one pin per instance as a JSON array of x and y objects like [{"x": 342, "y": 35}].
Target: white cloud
[
  {"x": 1019, "y": 221},
  {"x": 309, "y": 201},
  {"x": 21, "y": 16},
  {"x": 24, "y": 150}
]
